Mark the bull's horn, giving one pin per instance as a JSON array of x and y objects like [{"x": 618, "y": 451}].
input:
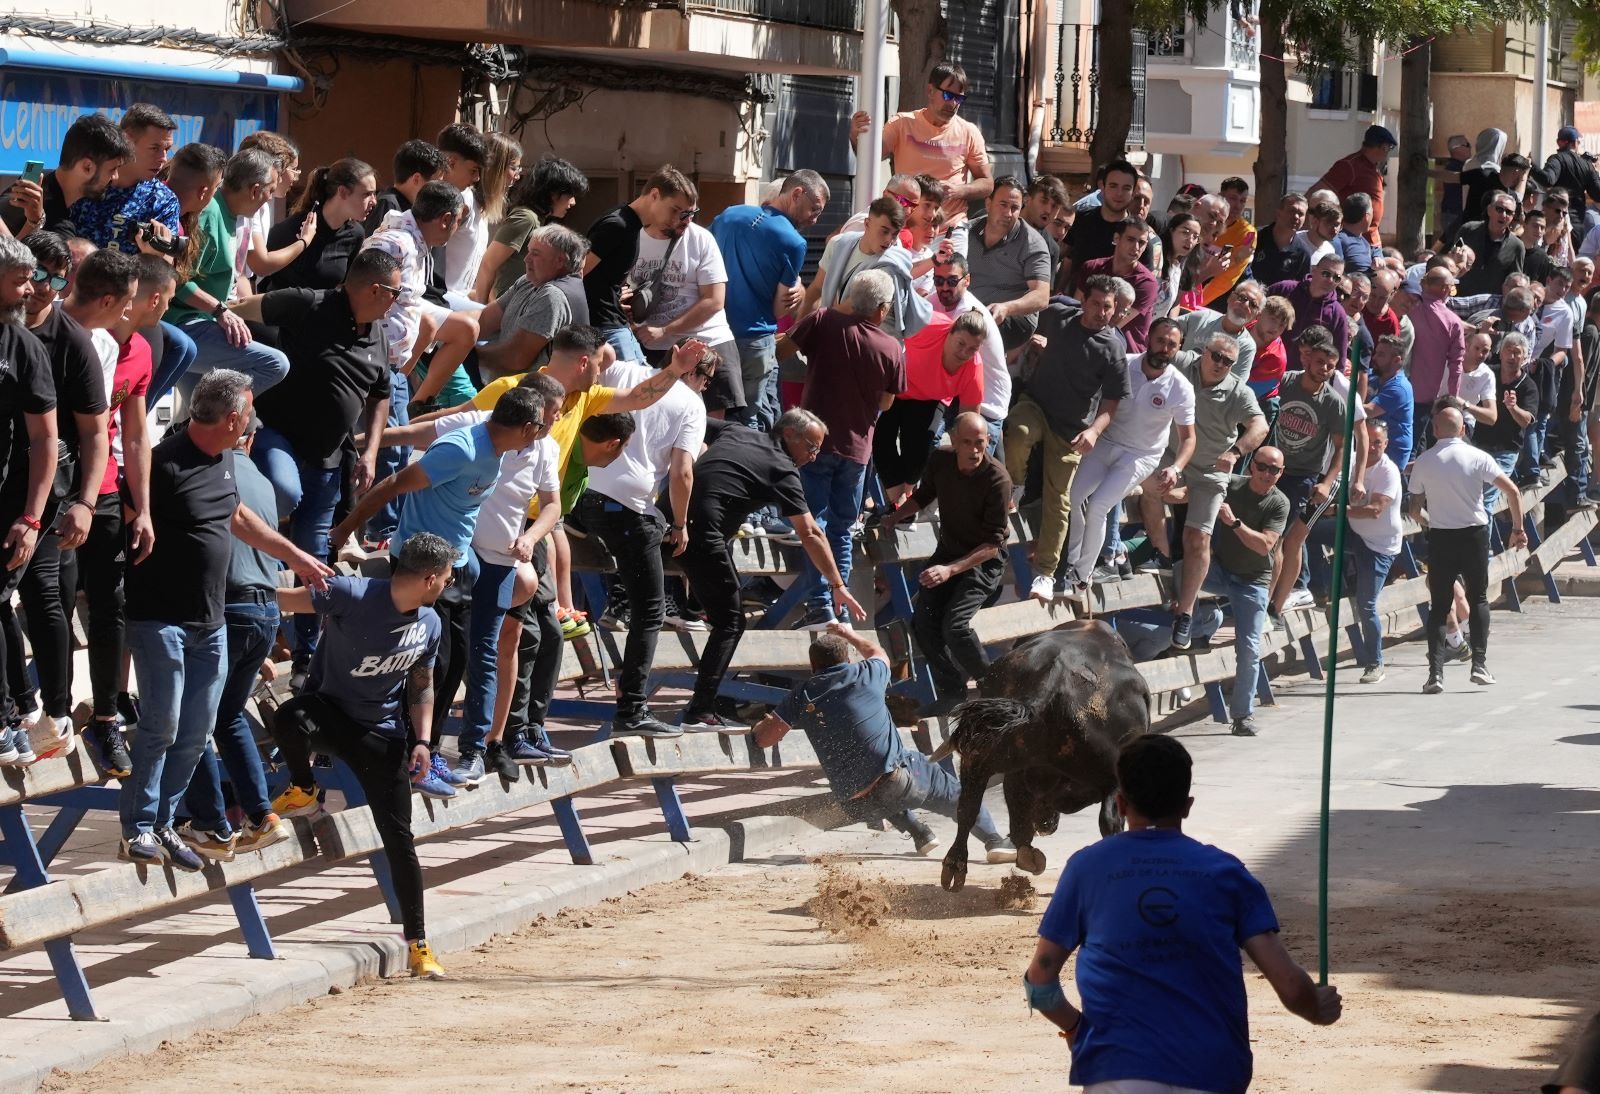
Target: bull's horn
[{"x": 944, "y": 751}]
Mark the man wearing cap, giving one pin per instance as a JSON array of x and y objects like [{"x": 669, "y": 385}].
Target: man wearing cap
[
  {"x": 1567, "y": 169},
  {"x": 1362, "y": 172}
]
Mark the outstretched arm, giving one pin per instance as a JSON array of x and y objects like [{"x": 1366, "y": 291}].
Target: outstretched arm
[{"x": 1320, "y": 1006}]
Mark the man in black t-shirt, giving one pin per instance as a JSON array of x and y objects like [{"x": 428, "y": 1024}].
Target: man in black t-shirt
[
  {"x": 740, "y": 472},
  {"x": 338, "y": 383},
  {"x": 102, "y": 291},
  {"x": 668, "y": 201},
  {"x": 27, "y": 409},
  {"x": 92, "y": 152},
  {"x": 1516, "y": 400},
  {"x": 175, "y": 594},
  {"x": 1091, "y": 233}
]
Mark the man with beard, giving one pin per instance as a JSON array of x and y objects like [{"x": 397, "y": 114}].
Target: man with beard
[
  {"x": 951, "y": 296},
  {"x": 92, "y": 152},
  {"x": 1244, "y": 306},
  {"x": 1159, "y": 398},
  {"x": 1091, "y": 235},
  {"x": 1310, "y": 432}
]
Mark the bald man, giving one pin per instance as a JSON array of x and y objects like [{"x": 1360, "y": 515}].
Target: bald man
[
  {"x": 1447, "y": 491},
  {"x": 974, "y": 494},
  {"x": 1253, "y": 516}
]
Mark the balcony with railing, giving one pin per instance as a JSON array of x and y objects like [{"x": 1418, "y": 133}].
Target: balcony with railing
[
  {"x": 1074, "y": 99},
  {"x": 1203, "y": 86},
  {"x": 796, "y": 37}
]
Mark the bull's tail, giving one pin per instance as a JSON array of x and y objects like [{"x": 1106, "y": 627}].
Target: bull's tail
[{"x": 979, "y": 723}]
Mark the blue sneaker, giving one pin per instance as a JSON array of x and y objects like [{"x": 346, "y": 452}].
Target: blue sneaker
[
  {"x": 436, "y": 784},
  {"x": 523, "y": 753},
  {"x": 560, "y": 757}
]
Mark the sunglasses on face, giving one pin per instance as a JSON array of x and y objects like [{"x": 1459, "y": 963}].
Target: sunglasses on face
[
  {"x": 394, "y": 291},
  {"x": 41, "y": 275},
  {"x": 1220, "y": 357},
  {"x": 688, "y": 214},
  {"x": 1329, "y": 275},
  {"x": 953, "y": 281},
  {"x": 953, "y": 96},
  {"x": 905, "y": 202},
  {"x": 1344, "y": 294},
  {"x": 1268, "y": 468}
]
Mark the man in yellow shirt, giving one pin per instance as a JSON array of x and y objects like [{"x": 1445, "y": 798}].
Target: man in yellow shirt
[{"x": 1238, "y": 240}]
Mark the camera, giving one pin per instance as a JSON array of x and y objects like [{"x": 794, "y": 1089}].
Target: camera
[{"x": 170, "y": 247}]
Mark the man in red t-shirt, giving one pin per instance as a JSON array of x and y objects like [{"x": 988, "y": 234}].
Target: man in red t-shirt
[
  {"x": 942, "y": 368},
  {"x": 854, "y": 369},
  {"x": 103, "y": 556}
]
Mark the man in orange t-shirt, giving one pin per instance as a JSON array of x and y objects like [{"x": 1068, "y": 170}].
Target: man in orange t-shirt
[{"x": 934, "y": 141}]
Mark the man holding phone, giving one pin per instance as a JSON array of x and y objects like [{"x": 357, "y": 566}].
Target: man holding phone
[{"x": 92, "y": 152}]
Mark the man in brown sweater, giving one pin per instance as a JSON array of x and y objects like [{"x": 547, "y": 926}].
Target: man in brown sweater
[{"x": 974, "y": 493}]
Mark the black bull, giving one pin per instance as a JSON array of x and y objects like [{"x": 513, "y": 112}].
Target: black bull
[{"x": 1054, "y": 712}]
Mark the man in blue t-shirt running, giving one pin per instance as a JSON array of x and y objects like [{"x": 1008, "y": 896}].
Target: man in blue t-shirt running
[
  {"x": 369, "y": 701},
  {"x": 1160, "y": 919}
]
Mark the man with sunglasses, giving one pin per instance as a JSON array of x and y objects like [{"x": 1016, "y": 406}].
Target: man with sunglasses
[
  {"x": 1316, "y": 303},
  {"x": 1498, "y": 250},
  {"x": 338, "y": 385},
  {"x": 1250, "y": 521},
  {"x": 936, "y": 142},
  {"x": 74, "y": 334},
  {"x": 952, "y": 296},
  {"x": 1244, "y": 305}
]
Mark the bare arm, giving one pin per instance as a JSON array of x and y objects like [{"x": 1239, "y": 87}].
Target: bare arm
[
  {"x": 22, "y": 539},
  {"x": 1319, "y": 1006},
  {"x": 136, "y": 471},
  {"x": 1255, "y": 432},
  {"x": 516, "y": 352},
  {"x": 543, "y": 525},
  {"x": 680, "y": 485},
  {"x": 248, "y": 307},
  {"x": 1375, "y": 506},
  {"x": 419, "y": 701},
  {"x": 295, "y": 601},
  {"x": 407, "y": 480},
  {"x": 263, "y": 262},
  {"x": 94, "y": 445},
  {"x": 712, "y": 299},
  {"x": 1045, "y": 969},
  {"x": 257, "y": 533},
  {"x": 860, "y": 642},
  {"x": 816, "y": 547},
  {"x": 1485, "y": 412},
  {"x": 1035, "y": 300},
  {"x": 649, "y": 392},
  {"x": 1186, "y": 441},
  {"x": 497, "y": 254}
]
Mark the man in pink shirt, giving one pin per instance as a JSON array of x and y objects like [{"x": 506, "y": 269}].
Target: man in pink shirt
[
  {"x": 934, "y": 141},
  {"x": 1438, "y": 350}
]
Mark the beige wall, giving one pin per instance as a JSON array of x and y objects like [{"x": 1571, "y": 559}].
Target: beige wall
[
  {"x": 1468, "y": 102},
  {"x": 372, "y": 109}
]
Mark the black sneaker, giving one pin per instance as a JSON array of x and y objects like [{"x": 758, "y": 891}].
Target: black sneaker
[
  {"x": 500, "y": 763},
  {"x": 815, "y": 619},
  {"x": 1124, "y": 568},
  {"x": 923, "y": 839},
  {"x": 643, "y": 725},
  {"x": 142, "y": 850},
  {"x": 179, "y": 854},
  {"x": 1244, "y": 727},
  {"x": 1157, "y": 563},
  {"x": 1435, "y": 684},
  {"x": 680, "y": 616},
  {"x": 711, "y": 723},
  {"x": 524, "y": 753},
  {"x": 1480, "y": 675},
  {"x": 110, "y": 748},
  {"x": 1181, "y": 624},
  {"x": 128, "y": 707},
  {"x": 760, "y": 592},
  {"x": 558, "y": 757}
]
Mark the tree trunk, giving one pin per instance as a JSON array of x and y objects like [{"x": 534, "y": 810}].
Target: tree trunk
[
  {"x": 1272, "y": 155},
  {"x": 1412, "y": 162},
  {"x": 922, "y": 36},
  {"x": 1113, "y": 98}
]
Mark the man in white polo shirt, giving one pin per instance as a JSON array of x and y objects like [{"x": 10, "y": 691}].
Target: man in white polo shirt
[
  {"x": 1159, "y": 398},
  {"x": 619, "y": 508},
  {"x": 1447, "y": 484}
]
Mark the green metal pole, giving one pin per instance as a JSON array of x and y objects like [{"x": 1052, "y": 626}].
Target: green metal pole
[{"x": 1332, "y": 673}]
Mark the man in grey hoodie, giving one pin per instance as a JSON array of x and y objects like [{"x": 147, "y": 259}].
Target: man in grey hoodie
[{"x": 876, "y": 248}]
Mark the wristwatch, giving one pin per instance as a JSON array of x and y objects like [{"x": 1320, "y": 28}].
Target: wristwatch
[
  {"x": 216, "y": 312},
  {"x": 1236, "y": 523}
]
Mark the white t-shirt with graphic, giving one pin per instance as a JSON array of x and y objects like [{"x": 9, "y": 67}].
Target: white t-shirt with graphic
[{"x": 696, "y": 261}]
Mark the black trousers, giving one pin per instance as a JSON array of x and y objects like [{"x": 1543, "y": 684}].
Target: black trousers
[
  {"x": 903, "y": 440},
  {"x": 708, "y": 563},
  {"x": 942, "y": 626},
  {"x": 634, "y": 540},
  {"x": 97, "y": 568},
  {"x": 42, "y": 590},
  {"x": 380, "y": 764},
  {"x": 455, "y": 613},
  {"x": 538, "y": 656},
  {"x": 1458, "y": 554}
]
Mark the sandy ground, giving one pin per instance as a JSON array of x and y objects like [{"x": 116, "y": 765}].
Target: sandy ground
[{"x": 844, "y": 973}]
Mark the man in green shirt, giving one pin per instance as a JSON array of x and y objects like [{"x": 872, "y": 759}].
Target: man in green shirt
[
  {"x": 1249, "y": 524},
  {"x": 201, "y": 304}
]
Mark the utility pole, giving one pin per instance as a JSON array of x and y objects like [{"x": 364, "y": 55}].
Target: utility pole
[{"x": 869, "y": 97}]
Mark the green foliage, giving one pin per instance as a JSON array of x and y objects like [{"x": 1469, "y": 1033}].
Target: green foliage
[{"x": 1326, "y": 32}]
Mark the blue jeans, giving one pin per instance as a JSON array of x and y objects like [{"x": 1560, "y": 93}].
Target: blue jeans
[
  {"x": 178, "y": 353},
  {"x": 1372, "y": 571},
  {"x": 392, "y": 458},
  {"x": 1249, "y": 603},
  {"x": 623, "y": 341},
  {"x": 1533, "y": 438},
  {"x": 251, "y": 624},
  {"x": 758, "y": 367},
  {"x": 919, "y": 783},
  {"x": 833, "y": 493},
  {"x": 264, "y": 365},
  {"x": 491, "y": 599},
  {"x": 307, "y": 496},
  {"x": 180, "y": 671},
  {"x": 1508, "y": 464}
]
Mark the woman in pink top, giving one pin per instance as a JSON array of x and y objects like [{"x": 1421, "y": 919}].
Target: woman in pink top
[{"x": 942, "y": 367}]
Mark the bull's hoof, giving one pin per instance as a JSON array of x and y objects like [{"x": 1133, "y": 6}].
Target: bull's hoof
[
  {"x": 954, "y": 877},
  {"x": 1030, "y": 859}
]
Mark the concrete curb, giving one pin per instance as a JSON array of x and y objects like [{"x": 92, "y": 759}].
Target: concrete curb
[{"x": 307, "y": 970}]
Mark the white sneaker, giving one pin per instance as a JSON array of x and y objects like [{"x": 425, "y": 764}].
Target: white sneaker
[
  {"x": 1043, "y": 589},
  {"x": 1300, "y": 598},
  {"x": 61, "y": 738}
]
